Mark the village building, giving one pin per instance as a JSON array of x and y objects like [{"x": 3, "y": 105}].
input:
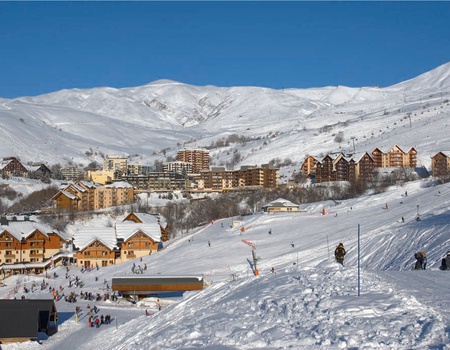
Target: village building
[
  {"x": 157, "y": 181},
  {"x": 38, "y": 171},
  {"x": 102, "y": 177},
  {"x": 72, "y": 173},
  {"x": 308, "y": 167},
  {"x": 113, "y": 163},
  {"x": 11, "y": 166},
  {"x": 86, "y": 195},
  {"x": 178, "y": 167},
  {"x": 151, "y": 219},
  {"x": 138, "y": 235},
  {"x": 280, "y": 205},
  {"x": 23, "y": 320},
  {"x": 198, "y": 157},
  {"x": 96, "y": 247},
  {"x": 27, "y": 245},
  {"x": 248, "y": 176},
  {"x": 440, "y": 163},
  {"x": 395, "y": 158}
]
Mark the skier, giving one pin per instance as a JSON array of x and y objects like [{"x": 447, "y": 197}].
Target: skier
[
  {"x": 424, "y": 260},
  {"x": 209, "y": 243},
  {"x": 339, "y": 254},
  {"x": 445, "y": 264},
  {"x": 419, "y": 261}
]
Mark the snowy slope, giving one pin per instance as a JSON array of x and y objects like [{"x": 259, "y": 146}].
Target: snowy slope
[
  {"x": 141, "y": 122},
  {"x": 310, "y": 302}
]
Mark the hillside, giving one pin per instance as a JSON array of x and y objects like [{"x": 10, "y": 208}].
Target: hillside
[
  {"x": 156, "y": 120},
  {"x": 310, "y": 302}
]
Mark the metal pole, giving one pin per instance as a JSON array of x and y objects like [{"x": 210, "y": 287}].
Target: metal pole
[
  {"x": 359, "y": 264},
  {"x": 328, "y": 246}
]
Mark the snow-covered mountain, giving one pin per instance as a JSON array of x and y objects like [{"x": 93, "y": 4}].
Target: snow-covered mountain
[{"x": 141, "y": 122}]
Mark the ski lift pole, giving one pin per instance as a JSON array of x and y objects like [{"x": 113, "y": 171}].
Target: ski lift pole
[
  {"x": 359, "y": 264},
  {"x": 328, "y": 246}
]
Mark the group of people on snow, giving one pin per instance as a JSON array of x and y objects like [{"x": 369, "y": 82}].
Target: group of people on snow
[{"x": 421, "y": 261}]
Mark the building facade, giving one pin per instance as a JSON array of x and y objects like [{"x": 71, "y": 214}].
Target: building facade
[{"x": 198, "y": 157}]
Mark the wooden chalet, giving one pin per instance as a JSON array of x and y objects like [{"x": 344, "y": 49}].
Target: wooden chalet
[
  {"x": 28, "y": 241},
  {"x": 11, "y": 166},
  {"x": 149, "y": 218},
  {"x": 39, "y": 171},
  {"x": 280, "y": 205},
  {"x": 137, "y": 239},
  {"x": 96, "y": 246},
  {"x": 308, "y": 167},
  {"x": 395, "y": 157},
  {"x": 22, "y": 320},
  {"x": 440, "y": 163}
]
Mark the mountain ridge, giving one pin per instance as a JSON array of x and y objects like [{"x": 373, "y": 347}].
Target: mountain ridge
[{"x": 152, "y": 121}]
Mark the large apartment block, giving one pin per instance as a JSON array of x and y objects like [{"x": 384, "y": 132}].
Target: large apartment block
[
  {"x": 199, "y": 158},
  {"x": 219, "y": 179},
  {"x": 86, "y": 195},
  {"x": 177, "y": 167},
  {"x": 113, "y": 163}
]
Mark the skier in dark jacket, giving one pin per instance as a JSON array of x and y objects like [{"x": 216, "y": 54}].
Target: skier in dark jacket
[
  {"x": 419, "y": 261},
  {"x": 339, "y": 253}
]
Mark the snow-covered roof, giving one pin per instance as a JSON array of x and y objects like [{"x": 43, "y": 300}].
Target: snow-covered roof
[
  {"x": 5, "y": 163},
  {"x": 69, "y": 195},
  {"x": 445, "y": 153},
  {"x": 90, "y": 184},
  {"x": 146, "y": 218},
  {"x": 280, "y": 202},
  {"x": 119, "y": 184},
  {"x": 85, "y": 236},
  {"x": 23, "y": 229},
  {"x": 127, "y": 229}
]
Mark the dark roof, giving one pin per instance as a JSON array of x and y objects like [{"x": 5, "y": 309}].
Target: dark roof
[{"x": 26, "y": 318}]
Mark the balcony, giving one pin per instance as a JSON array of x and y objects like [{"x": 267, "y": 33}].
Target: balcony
[{"x": 131, "y": 256}]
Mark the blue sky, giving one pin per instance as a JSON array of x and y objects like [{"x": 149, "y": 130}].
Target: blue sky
[{"x": 48, "y": 46}]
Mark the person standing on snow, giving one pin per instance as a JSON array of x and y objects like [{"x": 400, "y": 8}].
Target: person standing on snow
[
  {"x": 419, "y": 261},
  {"x": 445, "y": 264},
  {"x": 339, "y": 254}
]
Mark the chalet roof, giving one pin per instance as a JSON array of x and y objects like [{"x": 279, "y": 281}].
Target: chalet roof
[
  {"x": 87, "y": 235},
  {"x": 69, "y": 195},
  {"x": 280, "y": 202},
  {"x": 5, "y": 163},
  {"x": 359, "y": 155},
  {"x": 127, "y": 229},
  {"x": 89, "y": 184},
  {"x": 445, "y": 153},
  {"x": 25, "y": 318},
  {"x": 150, "y": 218},
  {"x": 387, "y": 149},
  {"x": 23, "y": 229}
]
